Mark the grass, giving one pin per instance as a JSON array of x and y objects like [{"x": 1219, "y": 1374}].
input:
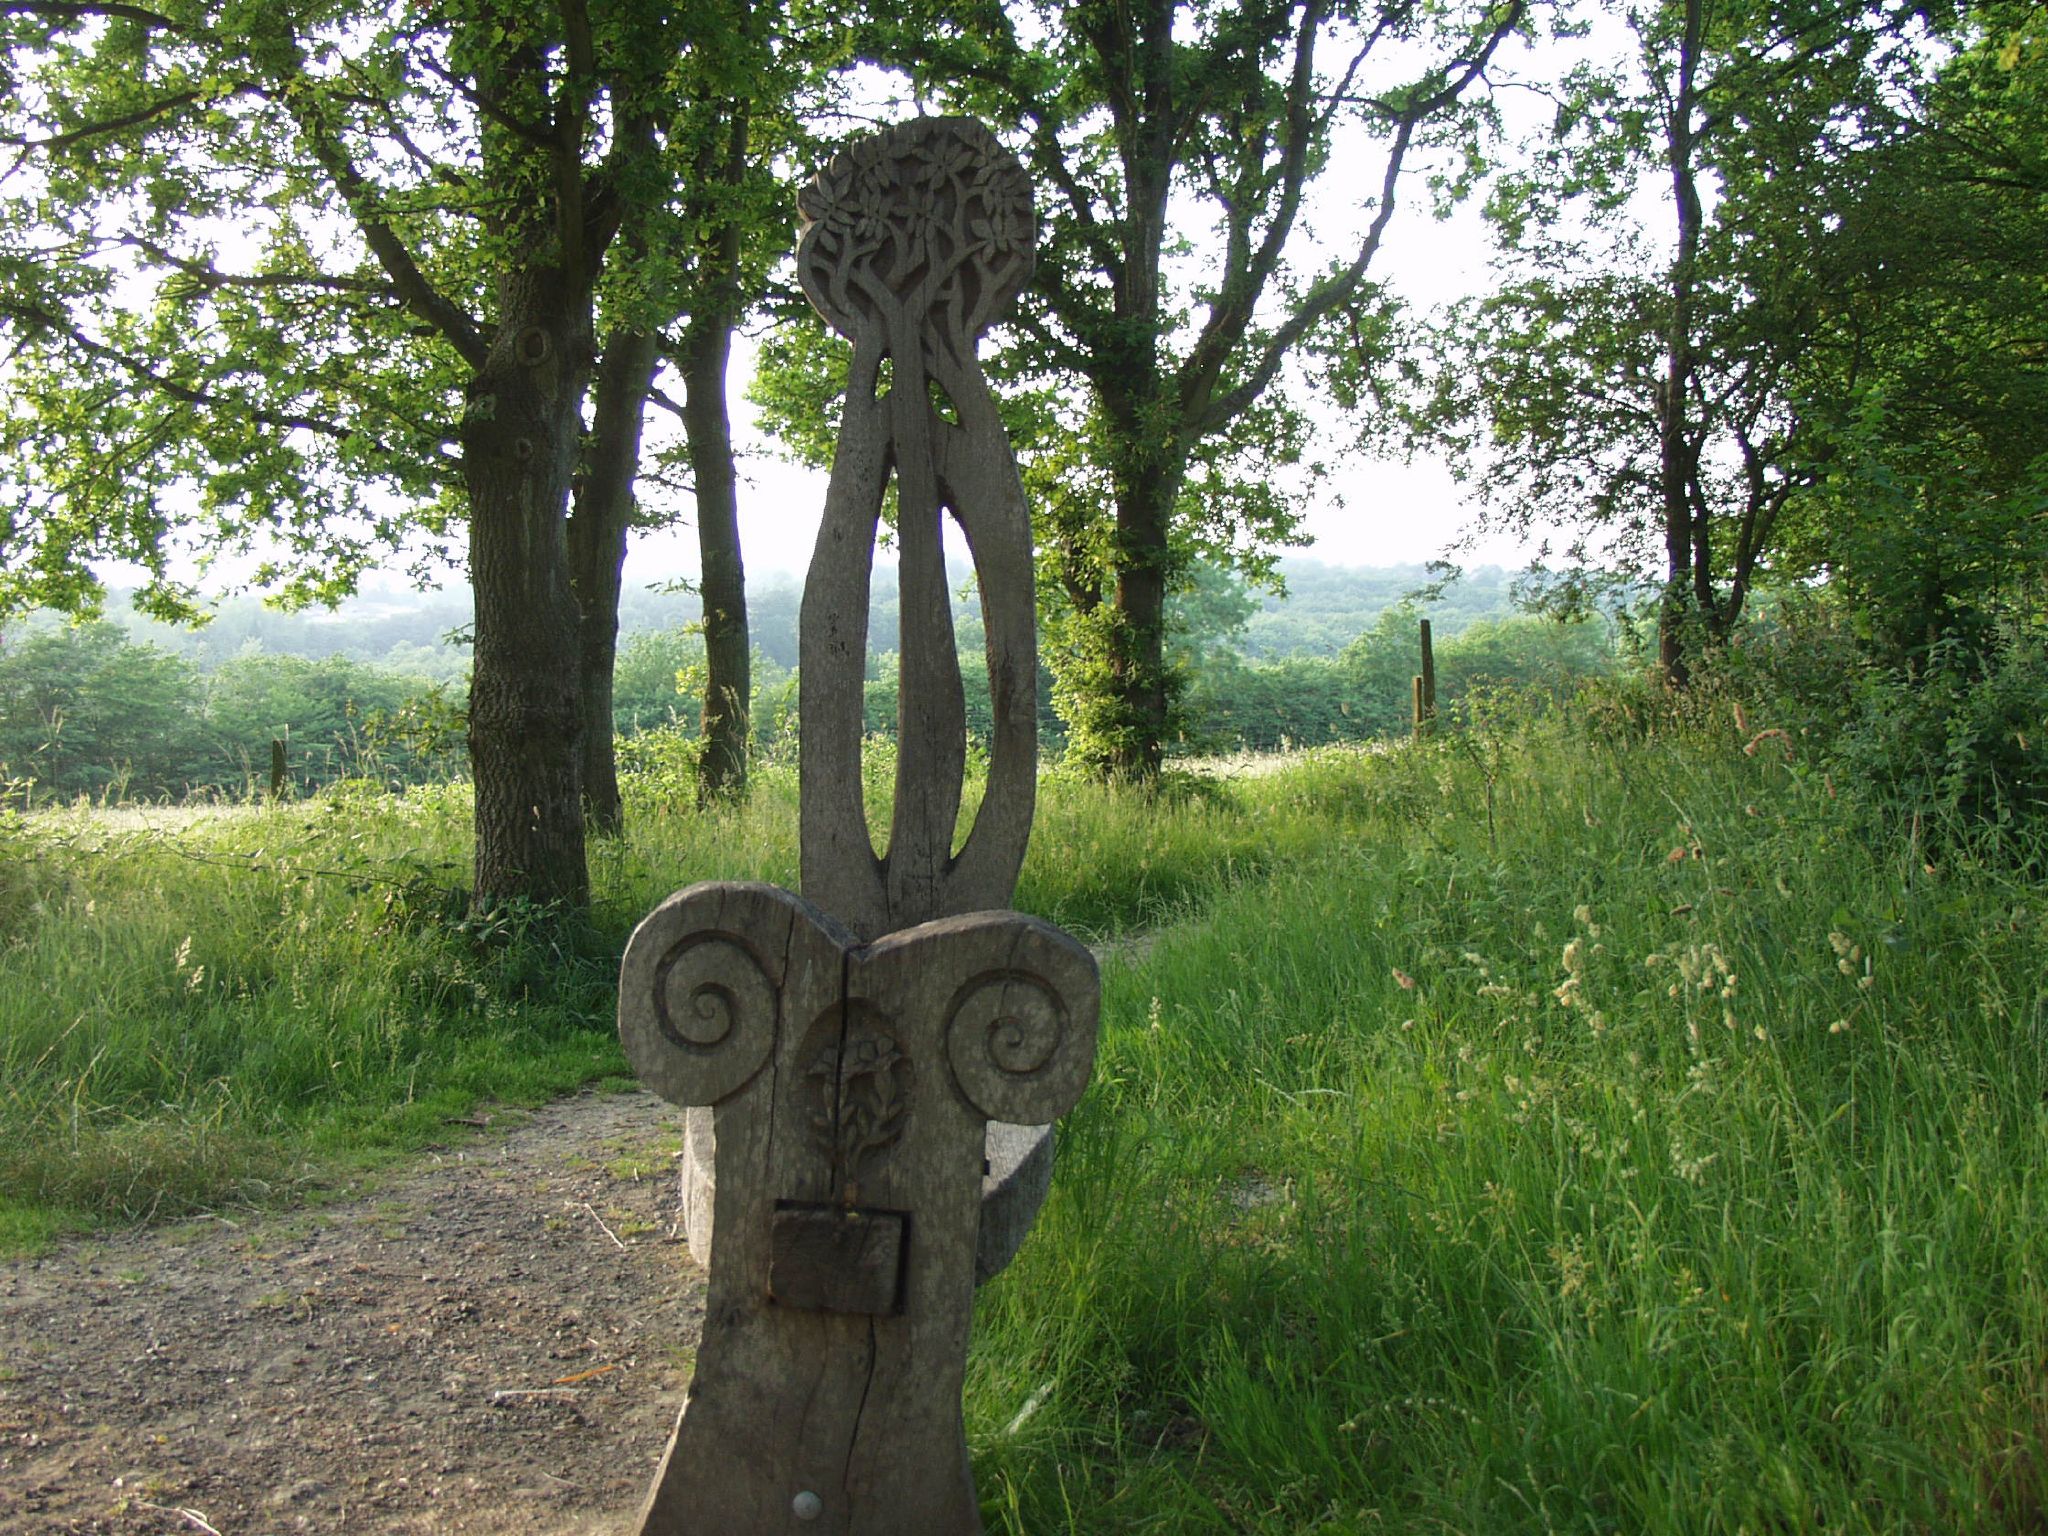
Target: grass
[
  {"x": 1543, "y": 1129},
  {"x": 230, "y": 1007},
  {"x": 1665, "y": 1156}
]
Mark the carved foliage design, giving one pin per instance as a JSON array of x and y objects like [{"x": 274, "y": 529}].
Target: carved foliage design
[
  {"x": 929, "y": 221},
  {"x": 916, "y": 239},
  {"x": 858, "y": 1084}
]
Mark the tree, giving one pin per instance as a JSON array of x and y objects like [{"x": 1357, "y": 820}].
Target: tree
[
  {"x": 323, "y": 709},
  {"x": 85, "y": 711},
  {"x": 1644, "y": 388},
  {"x": 1149, "y": 427},
  {"x": 1930, "y": 519},
  {"x": 338, "y": 274},
  {"x": 739, "y": 218}
]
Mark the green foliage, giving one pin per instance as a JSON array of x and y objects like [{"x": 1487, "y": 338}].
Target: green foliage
[
  {"x": 657, "y": 679},
  {"x": 423, "y": 633},
  {"x": 1317, "y": 610},
  {"x": 1367, "y": 692},
  {"x": 196, "y": 366},
  {"x": 1932, "y": 510},
  {"x": 89, "y": 711},
  {"x": 1952, "y": 742},
  {"x": 85, "y": 711},
  {"x": 1676, "y": 293}
]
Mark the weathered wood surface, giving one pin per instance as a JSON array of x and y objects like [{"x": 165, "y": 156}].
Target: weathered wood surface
[
  {"x": 853, "y": 1085},
  {"x": 915, "y": 240},
  {"x": 1016, "y": 1173},
  {"x": 879, "y": 1059}
]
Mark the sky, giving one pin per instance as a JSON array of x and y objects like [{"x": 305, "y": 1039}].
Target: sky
[{"x": 1374, "y": 513}]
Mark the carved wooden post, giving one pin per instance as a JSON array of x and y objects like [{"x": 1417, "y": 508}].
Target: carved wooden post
[{"x": 855, "y": 1043}]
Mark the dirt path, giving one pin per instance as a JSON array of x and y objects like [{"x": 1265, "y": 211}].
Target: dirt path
[{"x": 495, "y": 1340}]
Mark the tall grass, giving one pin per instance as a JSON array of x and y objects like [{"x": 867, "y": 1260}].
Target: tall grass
[
  {"x": 1664, "y": 1154},
  {"x": 1554, "y": 1126},
  {"x": 211, "y": 1005}
]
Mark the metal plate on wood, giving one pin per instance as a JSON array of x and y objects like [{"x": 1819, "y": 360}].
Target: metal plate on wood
[{"x": 836, "y": 1258}]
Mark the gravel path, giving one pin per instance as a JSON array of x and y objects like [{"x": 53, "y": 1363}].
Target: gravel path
[{"x": 493, "y": 1340}]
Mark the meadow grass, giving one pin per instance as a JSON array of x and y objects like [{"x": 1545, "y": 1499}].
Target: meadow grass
[
  {"x": 1665, "y": 1155},
  {"x": 221, "y": 1005},
  {"x": 1539, "y": 1129}
]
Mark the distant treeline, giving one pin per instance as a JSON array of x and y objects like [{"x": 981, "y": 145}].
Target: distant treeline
[
  {"x": 376, "y": 691},
  {"x": 88, "y": 710},
  {"x": 1366, "y": 690},
  {"x": 1319, "y": 610}
]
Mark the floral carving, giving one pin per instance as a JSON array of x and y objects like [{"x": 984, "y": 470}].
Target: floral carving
[{"x": 860, "y": 1098}]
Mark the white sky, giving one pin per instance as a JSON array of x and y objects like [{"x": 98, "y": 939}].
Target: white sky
[{"x": 1374, "y": 513}]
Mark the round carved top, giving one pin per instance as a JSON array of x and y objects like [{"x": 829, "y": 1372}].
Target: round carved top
[{"x": 928, "y": 221}]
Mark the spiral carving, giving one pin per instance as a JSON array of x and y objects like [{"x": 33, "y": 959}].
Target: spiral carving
[
  {"x": 1016, "y": 1049},
  {"x": 697, "y": 1011}
]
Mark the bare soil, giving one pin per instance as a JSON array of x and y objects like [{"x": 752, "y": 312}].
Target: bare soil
[{"x": 495, "y": 1339}]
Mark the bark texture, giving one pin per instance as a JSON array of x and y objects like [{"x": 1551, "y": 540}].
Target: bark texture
[
  {"x": 727, "y": 728},
  {"x": 519, "y": 441},
  {"x": 1688, "y": 584},
  {"x": 728, "y": 650},
  {"x": 597, "y": 552}
]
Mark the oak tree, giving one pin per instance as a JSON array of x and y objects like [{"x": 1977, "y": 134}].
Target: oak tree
[
  {"x": 1179, "y": 148},
  {"x": 333, "y": 277}
]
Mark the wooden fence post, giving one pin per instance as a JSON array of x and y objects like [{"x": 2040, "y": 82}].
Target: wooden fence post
[{"x": 1425, "y": 687}]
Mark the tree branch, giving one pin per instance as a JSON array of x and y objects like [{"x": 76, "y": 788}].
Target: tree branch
[
  {"x": 411, "y": 284},
  {"x": 88, "y": 10},
  {"x": 488, "y": 106},
  {"x": 210, "y": 277},
  {"x": 141, "y": 369},
  {"x": 111, "y": 125},
  {"x": 1211, "y": 414},
  {"x": 572, "y": 119},
  {"x": 1245, "y": 283}
]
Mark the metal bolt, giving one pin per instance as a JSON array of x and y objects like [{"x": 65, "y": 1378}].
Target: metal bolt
[{"x": 807, "y": 1505}]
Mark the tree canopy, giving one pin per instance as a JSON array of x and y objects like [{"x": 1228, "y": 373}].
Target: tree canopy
[
  {"x": 1768, "y": 299},
  {"x": 342, "y": 278},
  {"x": 1177, "y": 149}
]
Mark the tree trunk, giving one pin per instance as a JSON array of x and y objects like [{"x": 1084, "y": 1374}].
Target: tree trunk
[
  {"x": 597, "y": 552},
  {"x": 1679, "y": 611},
  {"x": 1136, "y": 748},
  {"x": 721, "y": 167},
  {"x": 1706, "y": 608},
  {"x": 519, "y": 442},
  {"x": 728, "y": 652}
]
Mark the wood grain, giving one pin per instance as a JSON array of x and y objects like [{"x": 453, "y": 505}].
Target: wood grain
[{"x": 822, "y": 1373}]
